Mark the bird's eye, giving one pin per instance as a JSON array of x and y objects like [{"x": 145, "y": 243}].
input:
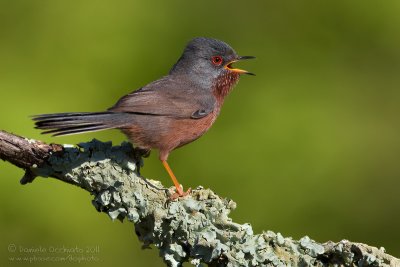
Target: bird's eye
[{"x": 216, "y": 60}]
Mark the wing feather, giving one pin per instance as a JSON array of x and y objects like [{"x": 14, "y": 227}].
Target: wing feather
[{"x": 168, "y": 97}]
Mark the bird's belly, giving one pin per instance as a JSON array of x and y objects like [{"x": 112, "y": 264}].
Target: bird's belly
[{"x": 165, "y": 133}]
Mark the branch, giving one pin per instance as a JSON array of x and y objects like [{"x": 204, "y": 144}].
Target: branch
[{"x": 195, "y": 228}]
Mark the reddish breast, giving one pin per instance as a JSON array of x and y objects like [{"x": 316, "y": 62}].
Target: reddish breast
[{"x": 188, "y": 130}]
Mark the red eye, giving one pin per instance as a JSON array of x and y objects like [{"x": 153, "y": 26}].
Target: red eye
[{"x": 216, "y": 60}]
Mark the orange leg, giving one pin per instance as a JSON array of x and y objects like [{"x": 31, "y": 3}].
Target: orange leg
[{"x": 174, "y": 180}]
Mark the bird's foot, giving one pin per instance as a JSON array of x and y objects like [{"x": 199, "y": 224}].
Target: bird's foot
[{"x": 180, "y": 193}]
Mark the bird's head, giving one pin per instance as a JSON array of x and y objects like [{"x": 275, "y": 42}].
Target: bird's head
[{"x": 206, "y": 60}]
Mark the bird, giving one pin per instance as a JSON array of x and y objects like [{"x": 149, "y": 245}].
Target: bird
[{"x": 167, "y": 113}]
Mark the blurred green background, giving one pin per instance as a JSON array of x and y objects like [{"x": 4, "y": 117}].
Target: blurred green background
[{"x": 310, "y": 146}]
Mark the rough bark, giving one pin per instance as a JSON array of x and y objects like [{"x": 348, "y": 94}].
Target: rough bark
[{"x": 195, "y": 228}]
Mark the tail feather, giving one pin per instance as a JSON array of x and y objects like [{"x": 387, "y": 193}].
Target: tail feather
[
  {"x": 75, "y": 123},
  {"x": 76, "y": 129}
]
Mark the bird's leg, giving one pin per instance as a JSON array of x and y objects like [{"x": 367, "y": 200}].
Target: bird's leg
[{"x": 179, "y": 190}]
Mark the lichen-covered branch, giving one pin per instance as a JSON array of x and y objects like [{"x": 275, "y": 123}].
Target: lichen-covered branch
[{"x": 195, "y": 228}]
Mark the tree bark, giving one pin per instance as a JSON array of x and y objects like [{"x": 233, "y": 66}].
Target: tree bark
[{"x": 195, "y": 228}]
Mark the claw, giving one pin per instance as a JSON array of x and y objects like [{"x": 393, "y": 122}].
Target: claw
[{"x": 180, "y": 193}]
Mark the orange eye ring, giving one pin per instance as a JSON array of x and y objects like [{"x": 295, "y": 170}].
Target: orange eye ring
[{"x": 216, "y": 60}]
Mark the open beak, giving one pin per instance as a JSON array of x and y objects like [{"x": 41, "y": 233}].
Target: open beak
[{"x": 230, "y": 68}]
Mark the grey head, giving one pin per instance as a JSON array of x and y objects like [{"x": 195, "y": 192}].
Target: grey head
[{"x": 205, "y": 59}]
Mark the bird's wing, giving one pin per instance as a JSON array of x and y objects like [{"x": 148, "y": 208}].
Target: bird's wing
[{"x": 168, "y": 97}]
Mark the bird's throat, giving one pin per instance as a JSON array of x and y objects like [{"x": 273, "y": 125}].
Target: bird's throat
[{"x": 224, "y": 84}]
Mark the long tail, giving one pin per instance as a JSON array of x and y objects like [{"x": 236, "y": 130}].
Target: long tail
[{"x": 75, "y": 123}]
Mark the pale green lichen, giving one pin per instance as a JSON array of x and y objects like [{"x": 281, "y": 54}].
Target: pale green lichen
[
  {"x": 311, "y": 247},
  {"x": 196, "y": 228}
]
